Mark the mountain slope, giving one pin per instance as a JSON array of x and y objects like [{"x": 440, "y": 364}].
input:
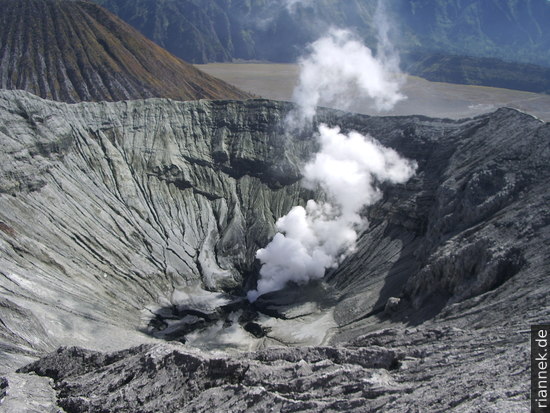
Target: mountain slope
[
  {"x": 511, "y": 30},
  {"x": 478, "y": 71},
  {"x": 77, "y": 51},
  {"x": 213, "y": 30},
  {"x": 511, "y": 33},
  {"x": 216, "y": 30}
]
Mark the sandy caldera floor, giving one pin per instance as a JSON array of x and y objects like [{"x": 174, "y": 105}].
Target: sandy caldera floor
[{"x": 446, "y": 100}]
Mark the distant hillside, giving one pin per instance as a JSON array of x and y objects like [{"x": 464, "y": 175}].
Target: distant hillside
[
  {"x": 478, "y": 71},
  {"x": 203, "y": 31},
  {"x": 512, "y": 31},
  {"x": 78, "y": 51}
]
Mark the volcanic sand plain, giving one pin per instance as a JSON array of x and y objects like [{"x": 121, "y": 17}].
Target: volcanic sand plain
[{"x": 436, "y": 99}]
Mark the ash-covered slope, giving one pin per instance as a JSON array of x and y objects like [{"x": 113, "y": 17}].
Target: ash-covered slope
[
  {"x": 122, "y": 223},
  {"x": 108, "y": 209},
  {"x": 77, "y": 51}
]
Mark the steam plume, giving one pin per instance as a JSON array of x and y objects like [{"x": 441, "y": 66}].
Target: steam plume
[
  {"x": 348, "y": 168},
  {"x": 386, "y": 52},
  {"x": 319, "y": 236},
  {"x": 340, "y": 68},
  {"x": 292, "y": 4}
]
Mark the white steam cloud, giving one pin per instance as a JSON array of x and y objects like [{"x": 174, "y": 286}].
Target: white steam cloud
[
  {"x": 386, "y": 52},
  {"x": 340, "y": 69},
  {"x": 348, "y": 168},
  {"x": 291, "y": 5}
]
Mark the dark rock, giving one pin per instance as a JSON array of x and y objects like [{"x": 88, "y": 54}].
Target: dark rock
[
  {"x": 172, "y": 378},
  {"x": 413, "y": 371},
  {"x": 392, "y": 305},
  {"x": 255, "y": 329},
  {"x": 3, "y": 388}
]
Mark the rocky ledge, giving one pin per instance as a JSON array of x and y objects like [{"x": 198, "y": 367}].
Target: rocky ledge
[{"x": 392, "y": 370}]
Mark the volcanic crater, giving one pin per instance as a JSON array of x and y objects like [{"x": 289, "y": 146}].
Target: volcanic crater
[{"x": 130, "y": 223}]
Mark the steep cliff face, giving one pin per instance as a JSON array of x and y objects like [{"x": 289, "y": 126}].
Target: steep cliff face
[
  {"x": 109, "y": 208},
  {"x": 122, "y": 223},
  {"x": 465, "y": 233}
]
